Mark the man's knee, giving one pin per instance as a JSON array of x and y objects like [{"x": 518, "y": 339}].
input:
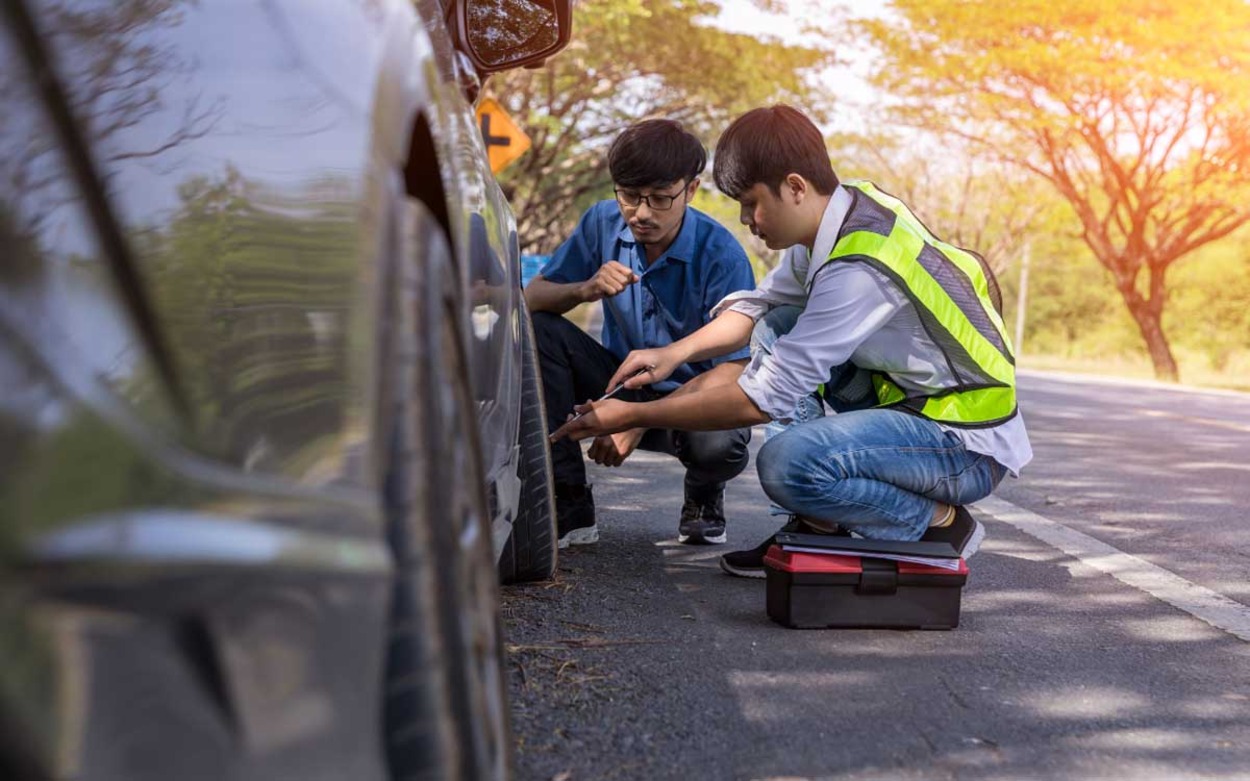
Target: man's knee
[
  {"x": 788, "y": 467},
  {"x": 556, "y": 336},
  {"x": 716, "y": 448},
  {"x": 770, "y": 464},
  {"x": 774, "y": 477},
  {"x": 547, "y": 323}
]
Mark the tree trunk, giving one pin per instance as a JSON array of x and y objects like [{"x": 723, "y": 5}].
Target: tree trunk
[{"x": 1149, "y": 319}]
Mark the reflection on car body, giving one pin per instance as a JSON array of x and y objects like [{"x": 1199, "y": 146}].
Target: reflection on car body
[{"x": 263, "y": 390}]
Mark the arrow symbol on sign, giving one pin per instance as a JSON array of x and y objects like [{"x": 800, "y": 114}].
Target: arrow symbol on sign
[{"x": 492, "y": 140}]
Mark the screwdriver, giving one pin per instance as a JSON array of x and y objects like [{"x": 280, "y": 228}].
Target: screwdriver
[{"x": 620, "y": 386}]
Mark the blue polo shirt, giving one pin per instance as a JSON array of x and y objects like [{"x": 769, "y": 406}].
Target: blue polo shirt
[{"x": 674, "y": 295}]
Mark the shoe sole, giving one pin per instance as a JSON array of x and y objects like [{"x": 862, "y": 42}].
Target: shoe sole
[
  {"x": 739, "y": 572},
  {"x": 699, "y": 539},
  {"x": 585, "y": 536},
  {"x": 974, "y": 542}
]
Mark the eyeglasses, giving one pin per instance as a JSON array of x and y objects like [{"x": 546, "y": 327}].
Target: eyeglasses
[{"x": 660, "y": 202}]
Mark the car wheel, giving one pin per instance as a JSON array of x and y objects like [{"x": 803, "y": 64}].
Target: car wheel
[
  {"x": 446, "y": 711},
  {"x": 530, "y": 552}
]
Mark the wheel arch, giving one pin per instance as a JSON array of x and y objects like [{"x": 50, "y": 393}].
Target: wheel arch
[{"x": 422, "y": 173}]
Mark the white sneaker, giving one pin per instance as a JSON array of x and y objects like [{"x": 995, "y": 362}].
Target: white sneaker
[{"x": 586, "y": 535}]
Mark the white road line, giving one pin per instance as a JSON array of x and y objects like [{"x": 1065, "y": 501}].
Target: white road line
[{"x": 1199, "y": 601}]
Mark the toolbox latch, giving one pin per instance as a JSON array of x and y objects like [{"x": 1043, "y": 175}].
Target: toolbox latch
[{"x": 880, "y": 576}]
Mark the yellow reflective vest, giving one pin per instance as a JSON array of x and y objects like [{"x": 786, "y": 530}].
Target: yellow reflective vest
[{"x": 957, "y": 298}]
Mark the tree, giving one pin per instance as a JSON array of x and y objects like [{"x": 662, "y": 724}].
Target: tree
[
  {"x": 1134, "y": 110},
  {"x": 631, "y": 59},
  {"x": 1210, "y": 300},
  {"x": 728, "y": 212},
  {"x": 972, "y": 203}
]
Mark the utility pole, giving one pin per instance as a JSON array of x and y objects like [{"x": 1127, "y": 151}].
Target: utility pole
[{"x": 1022, "y": 299}]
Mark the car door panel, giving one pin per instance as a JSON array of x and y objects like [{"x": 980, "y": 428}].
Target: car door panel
[{"x": 236, "y": 160}]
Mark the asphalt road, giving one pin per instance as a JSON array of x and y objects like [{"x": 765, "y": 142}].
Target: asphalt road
[{"x": 1104, "y": 632}]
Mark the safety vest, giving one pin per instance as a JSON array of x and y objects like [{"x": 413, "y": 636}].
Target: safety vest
[{"x": 957, "y": 298}]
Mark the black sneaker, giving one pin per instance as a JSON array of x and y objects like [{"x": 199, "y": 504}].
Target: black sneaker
[
  {"x": 575, "y": 516},
  {"x": 750, "y": 563},
  {"x": 702, "y": 520},
  {"x": 964, "y": 533}
]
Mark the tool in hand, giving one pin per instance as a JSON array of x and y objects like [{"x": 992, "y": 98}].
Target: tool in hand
[{"x": 620, "y": 386}]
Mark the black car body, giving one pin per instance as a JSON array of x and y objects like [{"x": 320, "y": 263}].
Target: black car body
[{"x": 269, "y": 416}]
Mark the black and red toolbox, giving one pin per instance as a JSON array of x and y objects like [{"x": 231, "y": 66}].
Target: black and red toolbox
[{"x": 853, "y": 589}]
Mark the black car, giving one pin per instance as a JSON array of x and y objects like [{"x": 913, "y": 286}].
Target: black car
[{"x": 270, "y": 419}]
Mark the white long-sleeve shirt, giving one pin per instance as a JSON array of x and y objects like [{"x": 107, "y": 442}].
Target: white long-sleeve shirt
[{"x": 852, "y": 313}]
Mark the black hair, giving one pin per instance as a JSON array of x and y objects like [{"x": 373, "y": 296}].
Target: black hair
[
  {"x": 764, "y": 145},
  {"x": 655, "y": 152}
]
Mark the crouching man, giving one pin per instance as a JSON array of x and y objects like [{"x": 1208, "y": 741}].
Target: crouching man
[
  {"x": 658, "y": 266},
  {"x": 897, "y": 331}
]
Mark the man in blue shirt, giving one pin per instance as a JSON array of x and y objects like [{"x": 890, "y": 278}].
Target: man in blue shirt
[{"x": 658, "y": 266}]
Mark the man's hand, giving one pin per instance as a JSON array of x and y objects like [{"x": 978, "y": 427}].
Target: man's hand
[
  {"x": 601, "y": 417},
  {"x": 658, "y": 362},
  {"x": 611, "y": 279},
  {"x": 613, "y": 449}
]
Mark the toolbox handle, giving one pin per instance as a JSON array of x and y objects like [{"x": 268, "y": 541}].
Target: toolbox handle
[{"x": 879, "y": 576}]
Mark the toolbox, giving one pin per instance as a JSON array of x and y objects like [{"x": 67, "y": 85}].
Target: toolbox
[{"x": 809, "y": 590}]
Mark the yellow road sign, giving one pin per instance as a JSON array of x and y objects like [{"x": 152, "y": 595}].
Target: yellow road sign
[{"x": 504, "y": 141}]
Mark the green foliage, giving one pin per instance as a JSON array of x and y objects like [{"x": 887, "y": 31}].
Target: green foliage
[
  {"x": 1209, "y": 308},
  {"x": 971, "y": 202},
  {"x": 1075, "y": 314},
  {"x": 725, "y": 210},
  {"x": 629, "y": 60},
  {"x": 1073, "y": 309}
]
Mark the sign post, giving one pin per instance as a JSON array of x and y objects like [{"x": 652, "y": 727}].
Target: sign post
[{"x": 504, "y": 141}]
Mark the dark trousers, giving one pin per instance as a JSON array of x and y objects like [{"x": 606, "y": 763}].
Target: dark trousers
[{"x": 576, "y": 368}]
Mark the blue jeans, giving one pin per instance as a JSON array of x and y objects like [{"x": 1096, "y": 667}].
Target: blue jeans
[{"x": 878, "y": 472}]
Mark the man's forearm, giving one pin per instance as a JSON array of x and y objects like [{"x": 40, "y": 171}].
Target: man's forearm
[
  {"x": 727, "y": 333},
  {"x": 555, "y": 297},
  {"x": 715, "y": 407},
  {"x": 713, "y": 401},
  {"x": 722, "y": 374}
]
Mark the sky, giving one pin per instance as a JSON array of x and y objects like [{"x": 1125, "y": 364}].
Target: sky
[{"x": 848, "y": 81}]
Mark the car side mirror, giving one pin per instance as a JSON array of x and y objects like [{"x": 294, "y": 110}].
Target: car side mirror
[{"x": 498, "y": 35}]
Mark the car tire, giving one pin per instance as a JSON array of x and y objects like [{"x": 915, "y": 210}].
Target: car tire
[
  {"x": 530, "y": 552},
  {"x": 446, "y": 712}
]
